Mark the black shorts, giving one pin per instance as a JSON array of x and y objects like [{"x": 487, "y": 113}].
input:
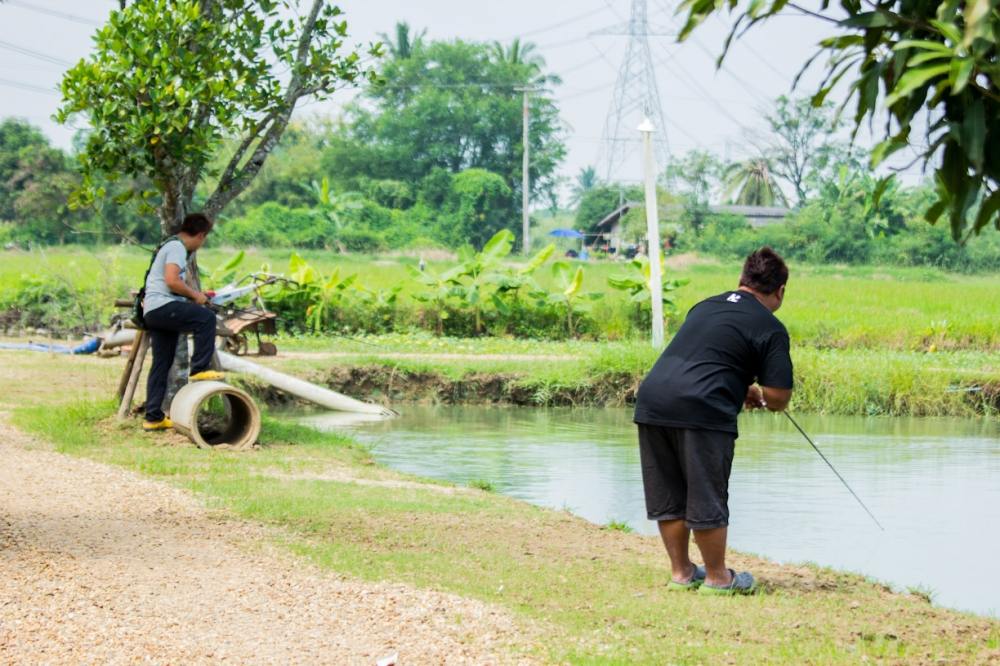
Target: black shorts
[{"x": 685, "y": 474}]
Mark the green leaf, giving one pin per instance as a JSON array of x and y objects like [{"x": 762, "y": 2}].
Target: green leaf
[
  {"x": 886, "y": 148},
  {"x": 928, "y": 56},
  {"x": 876, "y": 19},
  {"x": 499, "y": 246},
  {"x": 561, "y": 271},
  {"x": 235, "y": 261},
  {"x": 880, "y": 189},
  {"x": 948, "y": 29},
  {"x": 974, "y": 133},
  {"x": 575, "y": 284},
  {"x": 924, "y": 44},
  {"x": 987, "y": 211},
  {"x": 913, "y": 79},
  {"x": 961, "y": 70}
]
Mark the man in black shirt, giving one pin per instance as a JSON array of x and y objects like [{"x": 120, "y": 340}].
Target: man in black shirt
[{"x": 731, "y": 352}]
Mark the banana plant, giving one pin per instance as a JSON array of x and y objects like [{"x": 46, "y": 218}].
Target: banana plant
[
  {"x": 320, "y": 294},
  {"x": 476, "y": 273},
  {"x": 510, "y": 283},
  {"x": 440, "y": 287},
  {"x": 569, "y": 294},
  {"x": 637, "y": 284},
  {"x": 333, "y": 207},
  {"x": 224, "y": 274}
]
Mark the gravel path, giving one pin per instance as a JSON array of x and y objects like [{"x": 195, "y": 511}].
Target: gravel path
[{"x": 98, "y": 565}]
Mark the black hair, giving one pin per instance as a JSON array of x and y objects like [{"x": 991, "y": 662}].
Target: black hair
[
  {"x": 764, "y": 271},
  {"x": 196, "y": 223}
]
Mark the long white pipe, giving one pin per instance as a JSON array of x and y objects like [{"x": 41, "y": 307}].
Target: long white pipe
[{"x": 301, "y": 388}]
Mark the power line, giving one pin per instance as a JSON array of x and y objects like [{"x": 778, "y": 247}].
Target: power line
[
  {"x": 52, "y": 12},
  {"x": 693, "y": 83},
  {"x": 34, "y": 54},
  {"x": 27, "y": 86},
  {"x": 751, "y": 90},
  {"x": 563, "y": 23}
]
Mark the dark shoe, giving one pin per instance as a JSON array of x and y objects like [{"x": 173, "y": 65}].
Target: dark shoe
[
  {"x": 741, "y": 583},
  {"x": 697, "y": 578}
]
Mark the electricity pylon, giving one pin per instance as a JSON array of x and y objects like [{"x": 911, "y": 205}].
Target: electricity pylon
[{"x": 636, "y": 96}]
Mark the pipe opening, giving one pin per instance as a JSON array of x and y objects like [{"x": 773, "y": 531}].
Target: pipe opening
[{"x": 226, "y": 418}]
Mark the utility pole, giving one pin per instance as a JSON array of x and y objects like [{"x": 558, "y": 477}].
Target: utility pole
[
  {"x": 525, "y": 173},
  {"x": 652, "y": 231}
]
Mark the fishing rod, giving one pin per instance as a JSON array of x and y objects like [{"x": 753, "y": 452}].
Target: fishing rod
[{"x": 842, "y": 480}]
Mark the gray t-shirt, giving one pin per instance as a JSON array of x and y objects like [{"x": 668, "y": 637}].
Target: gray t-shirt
[{"x": 158, "y": 293}]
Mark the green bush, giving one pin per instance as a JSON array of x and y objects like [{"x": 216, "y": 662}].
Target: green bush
[
  {"x": 274, "y": 225},
  {"x": 361, "y": 240}
]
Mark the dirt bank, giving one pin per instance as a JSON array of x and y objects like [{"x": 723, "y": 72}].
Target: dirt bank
[{"x": 388, "y": 384}]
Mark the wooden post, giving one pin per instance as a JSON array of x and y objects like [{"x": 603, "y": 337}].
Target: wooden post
[
  {"x": 127, "y": 372},
  {"x": 133, "y": 380}
]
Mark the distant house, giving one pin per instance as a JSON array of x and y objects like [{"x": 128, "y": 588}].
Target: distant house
[{"x": 609, "y": 229}]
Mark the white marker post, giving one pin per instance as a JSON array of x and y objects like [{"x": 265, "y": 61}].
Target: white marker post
[{"x": 653, "y": 232}]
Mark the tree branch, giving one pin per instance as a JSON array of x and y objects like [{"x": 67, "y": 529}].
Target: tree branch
[{"x": 235, "y": 179}]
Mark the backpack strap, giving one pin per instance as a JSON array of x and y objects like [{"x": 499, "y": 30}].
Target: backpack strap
[{"x": 155, "y": 253}]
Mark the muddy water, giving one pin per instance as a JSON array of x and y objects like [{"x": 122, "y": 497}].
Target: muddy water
[{"x": 933, "y": 483}]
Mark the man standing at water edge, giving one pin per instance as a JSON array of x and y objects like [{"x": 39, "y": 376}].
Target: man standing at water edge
[
  {"x": 730, "y": 352},
  {"x": 170, "y": 308}
]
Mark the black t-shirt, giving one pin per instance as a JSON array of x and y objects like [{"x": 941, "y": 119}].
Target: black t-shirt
[{"x": 700, "y": 381}]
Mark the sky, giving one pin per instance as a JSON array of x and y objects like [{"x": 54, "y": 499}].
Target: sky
[{"x": 704, "y": 108}]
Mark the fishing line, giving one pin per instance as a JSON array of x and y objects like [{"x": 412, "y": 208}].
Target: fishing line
[{"x": 842, "y": 480}]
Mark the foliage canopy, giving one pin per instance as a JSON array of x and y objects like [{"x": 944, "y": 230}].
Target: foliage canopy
[
  {"x": 905, "y": 57},
  {"x": 168, "y": 80}
]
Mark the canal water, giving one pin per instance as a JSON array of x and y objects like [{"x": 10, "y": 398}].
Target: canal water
[{"x": 933, "y": 483}]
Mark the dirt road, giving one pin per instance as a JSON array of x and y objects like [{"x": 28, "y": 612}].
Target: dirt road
[{"x": 98, "y": 565}]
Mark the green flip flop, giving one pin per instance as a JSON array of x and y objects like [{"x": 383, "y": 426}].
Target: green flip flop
[
  {"x": 697, "y": 578},
  {"x": 742, "y": 583}
]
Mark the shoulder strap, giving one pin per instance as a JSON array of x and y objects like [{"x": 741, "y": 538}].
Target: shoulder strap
[{"x": 155, "y": 253}]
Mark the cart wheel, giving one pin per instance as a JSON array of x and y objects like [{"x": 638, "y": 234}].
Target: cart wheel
[
  {"x": 237, "y": 345},
  {"x": 267, "y": 349}
]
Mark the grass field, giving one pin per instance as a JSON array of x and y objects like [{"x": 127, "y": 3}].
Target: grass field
[
  {"x": 826, "y": 307},
  {"x": 596, "y": 594}
]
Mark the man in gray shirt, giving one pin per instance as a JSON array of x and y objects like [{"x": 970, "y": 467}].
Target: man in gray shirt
[{"x": 170, "y": 308}]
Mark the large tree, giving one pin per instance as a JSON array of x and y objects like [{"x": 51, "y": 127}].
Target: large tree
[
  {"x": 802, "y": 148},
  {"x": 905, "y": 61},
  {"x": 453, "y": 106},
  {"x": 169, "y": 80},
  {"x": 18, "y": 140}
]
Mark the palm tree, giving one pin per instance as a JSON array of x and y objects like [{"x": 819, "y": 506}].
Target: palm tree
[
  {"x": 402, "y": 45},
  {"x": 518, "y": 53},
  {"x": 524, "y": 54},
  {"x": 753, "y": 184},
  {"x": 586, "y": 180}
]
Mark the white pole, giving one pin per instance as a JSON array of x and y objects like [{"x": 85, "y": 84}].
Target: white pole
[
  {"x": 525, "y": 174},
  {"x": 653, "y": 232}
]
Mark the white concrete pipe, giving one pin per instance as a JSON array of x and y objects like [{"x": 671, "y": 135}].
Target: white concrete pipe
[
  {"x": 238, "y": 426},
  {"x": 301, "y": 388}
]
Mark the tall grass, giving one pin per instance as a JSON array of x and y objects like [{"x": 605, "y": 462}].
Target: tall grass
[{"x": 826, "y": 307}]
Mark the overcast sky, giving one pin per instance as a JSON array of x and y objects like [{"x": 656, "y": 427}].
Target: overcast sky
[{"x": 704, "y": 108}]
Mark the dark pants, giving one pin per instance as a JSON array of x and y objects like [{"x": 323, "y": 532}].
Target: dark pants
[
  {"x": 685, "y": 474},
  {"x": 163, "y": 325}
]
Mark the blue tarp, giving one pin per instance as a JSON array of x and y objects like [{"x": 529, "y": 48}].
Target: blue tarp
[
  {"x": 88, "y": 347},
  {"x": 566, "y": 233}
]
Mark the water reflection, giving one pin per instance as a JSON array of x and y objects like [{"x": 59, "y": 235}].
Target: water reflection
[{"x": 933, "y": 483}]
